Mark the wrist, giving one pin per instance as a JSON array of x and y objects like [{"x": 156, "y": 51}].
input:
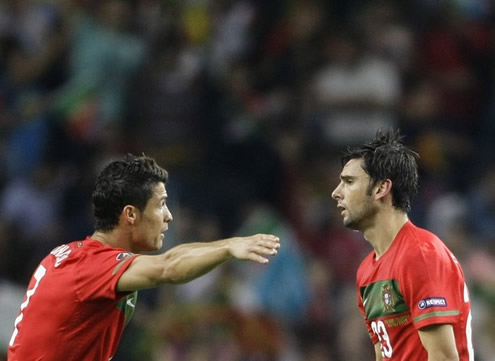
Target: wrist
[{"x": 228, "y": 245}]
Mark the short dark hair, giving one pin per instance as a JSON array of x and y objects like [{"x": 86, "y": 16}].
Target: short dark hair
[
  {"x": 122, "y": 182},
  {"x": 386, "y": 157}
]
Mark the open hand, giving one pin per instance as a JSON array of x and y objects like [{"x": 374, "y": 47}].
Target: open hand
[{"x": 254, "y": 248}]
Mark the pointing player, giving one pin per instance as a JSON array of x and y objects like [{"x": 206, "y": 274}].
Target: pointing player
[
  {"x": 83, "y": 293},
  {"x": 411, "y": 289}
]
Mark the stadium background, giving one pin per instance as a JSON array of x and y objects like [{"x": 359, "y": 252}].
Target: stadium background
[{"x": 247, "y": 103}]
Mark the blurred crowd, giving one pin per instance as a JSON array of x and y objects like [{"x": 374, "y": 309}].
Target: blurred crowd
[{"x": 248, "y": 105}]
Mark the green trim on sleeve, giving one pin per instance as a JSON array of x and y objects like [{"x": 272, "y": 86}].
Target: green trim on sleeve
[
  {"x": 122, "y": 262},
  {"x": 436, "y": 314}
]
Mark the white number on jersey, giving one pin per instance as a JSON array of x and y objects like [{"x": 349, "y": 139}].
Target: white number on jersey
[
  {"x": 380, "y": 330},
  {"x": 38, "y": 276}
]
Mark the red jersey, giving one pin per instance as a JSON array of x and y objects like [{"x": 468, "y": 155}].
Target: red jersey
[
  {"x": 72, "y": 311},
  {"x": 416, "y": 283}
]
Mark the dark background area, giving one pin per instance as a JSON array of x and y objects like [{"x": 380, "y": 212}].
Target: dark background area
[{"x": 248, "y": 105}]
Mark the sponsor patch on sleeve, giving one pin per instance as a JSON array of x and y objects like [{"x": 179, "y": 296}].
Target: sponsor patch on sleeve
[
  {"x": 123, "y": 258},
  {"x": 432, "y": 302},
  {"x": 123, "y": 255}
]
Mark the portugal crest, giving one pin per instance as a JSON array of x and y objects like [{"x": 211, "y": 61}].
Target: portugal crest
[{"x": 388, "y": 298}]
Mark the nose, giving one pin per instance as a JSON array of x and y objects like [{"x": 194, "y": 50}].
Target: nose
[
  {"x": 336, "y": 193},
  {"x": 168, "y": 216}
]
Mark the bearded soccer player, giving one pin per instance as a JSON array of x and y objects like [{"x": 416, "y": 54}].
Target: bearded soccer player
[
  {"x": 411, "y": 288},
  {"x": 84, "y": 292}
]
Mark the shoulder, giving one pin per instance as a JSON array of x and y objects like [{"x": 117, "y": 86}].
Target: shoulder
[
  {"x": 96, "y": 252},
  {"x": 423, "y": 252},
  {"x": 65, "y": 254},
  {"x": 87, "y": 250},
  {"x": 422, "y": 241}
]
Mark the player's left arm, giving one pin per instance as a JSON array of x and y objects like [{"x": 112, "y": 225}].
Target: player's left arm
[
  {"x": 378, "y": 351},
  {"x": 439, "y": 342}
]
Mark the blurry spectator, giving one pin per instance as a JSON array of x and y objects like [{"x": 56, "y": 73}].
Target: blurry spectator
[
  {"x": 316, "y": 332},
  {"x": 11, "y": 295},
  {"x": 38, "y": 41},
  {"x": 32, "y": 53},
  {"x": 386, "y": 33},
  {"x": 165, "y": 100},
  {"x": 481, "y": 205},
  {"x": 31, "y": 207},
  {"x": 350, "y": 331},
  {"x": 303, "y": 29},
  {"x": 282, "y": 289},
  {"x": 355, "y": 94},
  {"x": 230, "y": 34},
  {"x": 449, "y": 51},
  {"x": 105, "y": 52},
  {"x": 443, "y": 149},
  {"x": 27, "y": 127},
  {"x": 481, "y": 269},
  {"x": 444, "y": 213}
]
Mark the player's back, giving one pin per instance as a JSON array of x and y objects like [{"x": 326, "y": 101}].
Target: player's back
[{"x": 70, "y": 310}]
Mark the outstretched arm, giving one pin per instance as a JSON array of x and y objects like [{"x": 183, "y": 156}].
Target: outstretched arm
[{"x": 191, "y": 260}]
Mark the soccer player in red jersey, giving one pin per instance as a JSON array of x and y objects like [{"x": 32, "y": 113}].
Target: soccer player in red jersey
[
  {"x": 83, "y": 293},
  {"x": 411, "y": 289}
]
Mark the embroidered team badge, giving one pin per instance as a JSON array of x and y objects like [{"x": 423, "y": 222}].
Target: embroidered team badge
[{"x": 388, "y": 298}]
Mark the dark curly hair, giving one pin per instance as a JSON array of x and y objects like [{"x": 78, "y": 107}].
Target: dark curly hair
[
  {"x": 386, "y": 157},
  {"x": 122, "y": 182}
]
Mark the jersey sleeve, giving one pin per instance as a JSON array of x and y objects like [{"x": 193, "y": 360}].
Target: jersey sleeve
[
  {"x": 100, "y": 272},
  {"x": 430, "y": 284}
]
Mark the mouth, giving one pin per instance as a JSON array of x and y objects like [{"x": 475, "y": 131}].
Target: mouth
[
  {"x": 341, "y": 208},
  {"x": 162, "y": 234}
]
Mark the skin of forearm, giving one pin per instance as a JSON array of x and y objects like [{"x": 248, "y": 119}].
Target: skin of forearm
[
  {"x": 442, "y": 357},
  {"x": 191, "y": 260},
  {"x": 439, "y": 342}
]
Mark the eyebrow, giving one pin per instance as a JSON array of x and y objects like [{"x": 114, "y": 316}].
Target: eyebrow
[{"x": 346, "y": 177}]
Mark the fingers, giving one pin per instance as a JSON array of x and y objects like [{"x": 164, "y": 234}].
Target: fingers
[
  {"x": 254, "y": 248},
  {"x": 266, "y": 245},
  {"x": 267, "y": 237},
  {"x": 257, "y": 258},
  {"x": 265, "y": 251},
  {"x": 269, "y": 241}
]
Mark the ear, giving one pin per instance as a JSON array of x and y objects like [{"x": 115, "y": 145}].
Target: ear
[
  {"x": 383, "y": 189},
  {"x": 130, "y": 214}
]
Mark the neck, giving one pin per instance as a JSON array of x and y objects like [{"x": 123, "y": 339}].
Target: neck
[
  {"x": 114, "y": 238},
  {"x": 384, "y": 230}
]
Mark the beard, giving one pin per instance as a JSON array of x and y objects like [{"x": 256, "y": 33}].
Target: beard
[{"x": 361, "y": 217}]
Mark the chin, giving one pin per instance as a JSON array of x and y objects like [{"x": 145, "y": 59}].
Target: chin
[
  {"x": 157, "y": 244},
  {"x": 351, "y": 224}
]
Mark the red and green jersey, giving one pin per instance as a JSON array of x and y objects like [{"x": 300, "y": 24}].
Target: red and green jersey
[
  {"x": 416, "y": 283},
  {"x": 72, "y": 311}
]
